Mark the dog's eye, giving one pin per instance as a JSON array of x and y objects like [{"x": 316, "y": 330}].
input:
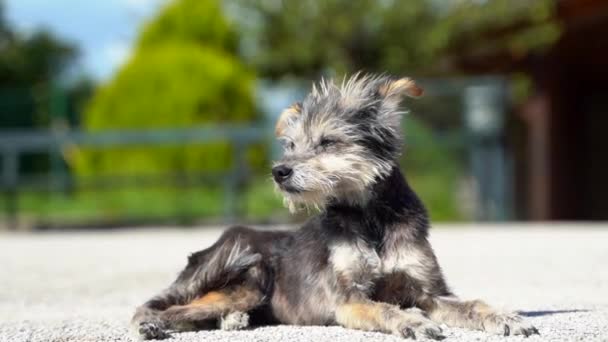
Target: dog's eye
[
  {"x": 326, "y": 142},
  {"x": 287, "y": 144}
]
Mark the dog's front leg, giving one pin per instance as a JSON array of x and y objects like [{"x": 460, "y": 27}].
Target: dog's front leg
[
  {"x": 374, "y": 316},
  {"x": 476, "y": 315}
]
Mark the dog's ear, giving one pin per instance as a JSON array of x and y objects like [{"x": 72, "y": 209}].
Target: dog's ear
[
  {"x": 392, "y": 92},
  {"x": 287, "y": 117},
  {"x": 397, "y": 88}
]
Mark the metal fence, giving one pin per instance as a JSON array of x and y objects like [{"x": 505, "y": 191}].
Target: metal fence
[
  {"x": 479, "y": 104},
  {"x": 13, "y": 144}
]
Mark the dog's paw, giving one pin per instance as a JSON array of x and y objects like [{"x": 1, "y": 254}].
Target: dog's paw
[
  {"x": 234, "y": 321},
  {"x": 432, "y": 331},
  {"x": 428, "y": 330},
  {"x": 509, "y": 325},
  {"x": 151, "y": 331},
  {"x": 406, "y": 332}
]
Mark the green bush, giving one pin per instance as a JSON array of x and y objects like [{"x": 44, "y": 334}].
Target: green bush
[
  {"x": 183, "y": 74},
  {"x": 191, "y": 21},
  {"x": 169, "y": 86}
]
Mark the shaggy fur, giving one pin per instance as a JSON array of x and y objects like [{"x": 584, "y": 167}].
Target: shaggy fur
[{"x": 364, "y": 262}]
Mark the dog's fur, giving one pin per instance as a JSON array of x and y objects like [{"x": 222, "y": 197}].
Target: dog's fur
[{"x": 364, "y": 262}]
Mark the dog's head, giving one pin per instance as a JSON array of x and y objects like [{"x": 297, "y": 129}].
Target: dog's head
[{"x": 340, "y": 140}]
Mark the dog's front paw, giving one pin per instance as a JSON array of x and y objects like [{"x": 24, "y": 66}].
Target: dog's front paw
[
  {"x": 427, "y": 329},
  {"x": 432, "y": 331},
  {"x": 234, "y": 321},
  {"x": 151, "y": 331},
  {"x": 509, "y": 324}
]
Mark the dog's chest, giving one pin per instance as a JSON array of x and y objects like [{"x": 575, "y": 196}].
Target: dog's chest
[
  {"x": 356, "y": 265},
  {"x": 359, "y": 265}
]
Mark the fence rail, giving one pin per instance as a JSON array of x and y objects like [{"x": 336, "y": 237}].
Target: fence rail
[
  {"x": 15, "y": 143},
  {"x": 44, "y": 140},
  {"x": 478, "y": 107}
]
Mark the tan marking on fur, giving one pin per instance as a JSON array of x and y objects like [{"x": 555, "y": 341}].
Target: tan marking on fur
[
  {"x": 475, "y": 314},
  {"x": 375, "y": 316},
  {"x": 286, "y": 117},
  {"x": 360, "y": 316},
  {"x": 238, "y": 299},
  {"x": 211, "y": 306},
  {"x": 211, "y": 298},
  {"x": 404, "y": 85}
]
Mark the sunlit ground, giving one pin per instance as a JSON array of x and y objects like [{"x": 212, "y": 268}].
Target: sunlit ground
[{"x": 83, "y": 286}]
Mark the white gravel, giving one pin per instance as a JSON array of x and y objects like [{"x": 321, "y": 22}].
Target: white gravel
[{"x": 83, "y": 286}]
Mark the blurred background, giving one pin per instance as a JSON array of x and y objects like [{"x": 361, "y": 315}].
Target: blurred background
[{"x": 139, "y": 112}]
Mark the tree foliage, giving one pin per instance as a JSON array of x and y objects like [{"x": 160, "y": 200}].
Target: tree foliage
[
  {"x": 191, "y": 22},
  {"x": 312, "y": 38},
  {"x": 30, "y": 68},
  {"x": 182, "y": 74},
  {"x": 29, "y": 65}
]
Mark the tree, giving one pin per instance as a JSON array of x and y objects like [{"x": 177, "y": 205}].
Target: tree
[
  {"x": 183, "y": 73},
  {"x": 309, "y": 39},
  {"x": 29, "y": 66},
  {"x": 313, "y": 38}
]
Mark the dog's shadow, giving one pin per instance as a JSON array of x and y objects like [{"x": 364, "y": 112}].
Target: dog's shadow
[{"x": 541, "y": 313}]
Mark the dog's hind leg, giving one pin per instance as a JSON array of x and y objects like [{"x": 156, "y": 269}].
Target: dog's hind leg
[
  {"x": 226, "y": 308},
  {"x": 476, "y": 315},
  {"x": 147, "y": 323},
  {"x": 215, "y": 271}
]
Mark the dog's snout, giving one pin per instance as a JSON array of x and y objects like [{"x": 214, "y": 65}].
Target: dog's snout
[{"x": 281, "y": 173}]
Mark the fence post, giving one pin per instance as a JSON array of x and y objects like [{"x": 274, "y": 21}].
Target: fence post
[
  {"x": 485, "y": 110},
  {"x": 59, "y": 127},
  {"x": 234, "y": 182},
  {"x": 10, "y": 179}
]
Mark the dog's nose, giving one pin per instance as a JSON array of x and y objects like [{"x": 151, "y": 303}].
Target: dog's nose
[{"x": 281, "y": 173}]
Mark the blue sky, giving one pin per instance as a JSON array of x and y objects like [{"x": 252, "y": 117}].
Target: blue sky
[{"x": 104, "y": 30}]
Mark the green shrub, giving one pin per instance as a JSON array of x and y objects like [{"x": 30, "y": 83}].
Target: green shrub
[
  {"x": 183, "y": 74},
  {"x": 191, "y": 21}
]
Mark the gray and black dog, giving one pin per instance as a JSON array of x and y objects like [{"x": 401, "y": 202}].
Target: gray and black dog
[{"x": 363, "y": 263}]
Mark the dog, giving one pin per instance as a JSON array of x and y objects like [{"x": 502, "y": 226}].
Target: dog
[{"x": 364, "y": 262}]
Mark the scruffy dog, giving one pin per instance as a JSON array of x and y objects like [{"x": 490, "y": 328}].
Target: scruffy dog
[{"x": 363, "y": 263}]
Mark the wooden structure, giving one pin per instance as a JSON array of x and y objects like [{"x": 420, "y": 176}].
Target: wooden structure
[{"x": 563, "y": 165}]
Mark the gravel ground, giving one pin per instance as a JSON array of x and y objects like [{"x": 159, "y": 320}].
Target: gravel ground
[{"x": 83, "y": 286}]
